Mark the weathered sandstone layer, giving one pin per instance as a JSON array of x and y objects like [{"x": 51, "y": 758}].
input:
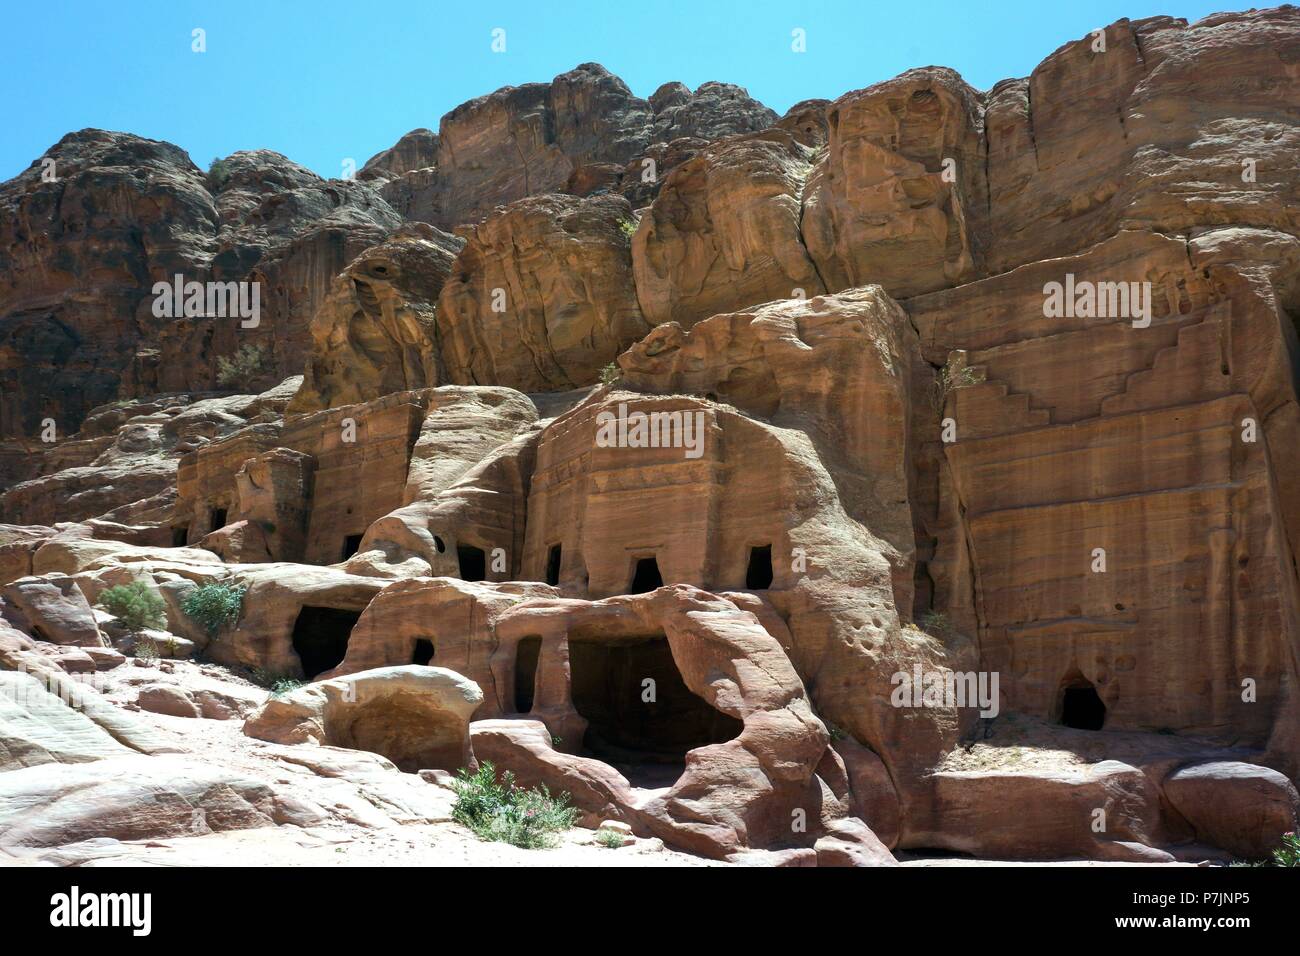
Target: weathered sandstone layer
[{"x": 912, "y": 471}]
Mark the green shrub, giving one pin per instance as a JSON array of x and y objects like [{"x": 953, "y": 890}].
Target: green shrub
[
  {"x": 214, "y": 606},
  {"x": 627, "y": 227},
  {"x": 1288, "y": 854},
  {"x": 284, "y": 685},
  {"x": 609, "y": 374},
  {"x": 218, "y": 172},
  {"x": 501, "y": 812},
  {"x": 146, "y": 648},
  {"x": 1285, "y": 854},
  {"x": 243, "y": 368},
  {"x": 135, "y": 606},
  {"x": 952, "y": 376},
  {"x": 936, "y": 623},
  {"x": 611, "y": 839}
]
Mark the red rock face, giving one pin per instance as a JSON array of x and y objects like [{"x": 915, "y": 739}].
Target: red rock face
[
  {"x": 725, "y": 228},
  {"x": 122, "y": 213},
  {"x": 541, "y": 297},
  {"x": 80, "y": 252},
  {"x": 529, "y": 140},
  {"x": 930, "y": 449},
  {"x": 896, "y": 198}
]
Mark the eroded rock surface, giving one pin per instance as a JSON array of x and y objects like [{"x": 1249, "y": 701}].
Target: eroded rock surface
[
  {"x": 908, "y": 472},
  {"x": 541, "y": 297},
  {"x": 417, "y": 717},
  {"x": 374, "y": 333},
  {"x": 121, "y": 213}
]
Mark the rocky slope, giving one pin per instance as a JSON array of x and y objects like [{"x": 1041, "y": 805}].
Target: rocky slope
[{"x": 909, "y": 472}]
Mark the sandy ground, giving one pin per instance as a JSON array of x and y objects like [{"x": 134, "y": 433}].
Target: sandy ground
[{"x": 438, "y": 844}]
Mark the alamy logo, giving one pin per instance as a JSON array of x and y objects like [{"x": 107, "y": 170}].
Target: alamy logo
[
  {"x": 922, "y": 688},
  {"x": 73, "y": 909},
  {"x": 1098, "y": 300},
  {"x": 214, "y": 300},
  {"x": 676, "y": 429},
  {"x": 40, "y": 692}
]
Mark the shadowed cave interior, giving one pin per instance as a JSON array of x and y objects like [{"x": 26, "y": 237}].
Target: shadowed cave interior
[
  {"x": 320, "y": 637},
  {"x": 645, "y": 576},
  {"x": 1082, "y": 707},
  {"x": 638, "y": 708},
  {"x": 423, "y": 651},
  {"x": 473, "y": 562}
]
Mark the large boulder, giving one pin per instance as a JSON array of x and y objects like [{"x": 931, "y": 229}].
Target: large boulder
[
  {"x": 417, "y": 717},
  {"x": 1241, "y": 807},
  {"x": 1108, "y": 810},
  {"x": 18, "y": 544},
  {"x": 138, "y": 798},
  {"x": 54, "y": 609}
]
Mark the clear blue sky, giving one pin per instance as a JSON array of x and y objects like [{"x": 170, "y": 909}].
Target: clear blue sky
[{"x": 324, "y": 80}]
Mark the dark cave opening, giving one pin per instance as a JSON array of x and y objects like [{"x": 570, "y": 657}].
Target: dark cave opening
[
  {"x": 638, "y": 708},
  {"x": 423, "y": 651},
  {"x": 473, "y": 562},
  {"x": 320, "y": 636},
  {"x": 646, "y": 576},
  {"x": 351, "y": 545},
  {"x": 526, "y": 655},
  {"x": 180, "y": 537},
  {"x": 553, "y": 565},
  {"x": 217, "y": 518},
  {"x": 758, "y": 576},
  {"x": 1082, "y": 707}
]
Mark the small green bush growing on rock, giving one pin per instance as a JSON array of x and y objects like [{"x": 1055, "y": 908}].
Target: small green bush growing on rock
[
  {"x": 611, "y": 839},
  {"x": 627, "y": 227},
  {"x": 501, "y": 812},
  {"x": 214, "y": 606},
  {"x": 936, "y": 623},
  {"x": 953, "y": 375},
  {"x": 284, "y": 685},
  {"x": 242, "y": 368},
  {"x": 609, "y": 374},
  {"x": 218, "y": 172},
  {"x": 1287, "y": 853},
  {"x": 135, "y": 606}
]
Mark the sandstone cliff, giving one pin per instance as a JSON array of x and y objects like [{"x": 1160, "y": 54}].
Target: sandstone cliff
[{"x": 806, "y": 420}]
